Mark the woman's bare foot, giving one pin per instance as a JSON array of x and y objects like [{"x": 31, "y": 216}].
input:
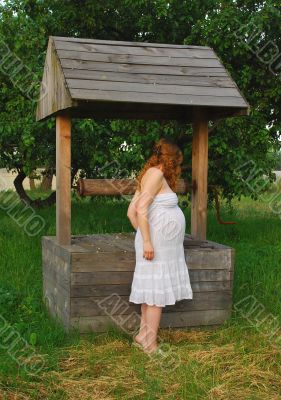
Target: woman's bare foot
[
  {"x": 139, "y": 340},
  {"x": 151, "y": 349}
]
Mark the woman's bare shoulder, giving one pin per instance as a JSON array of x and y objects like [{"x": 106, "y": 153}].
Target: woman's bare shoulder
[
  {"x": 153, "y": 171},
  {"x": 153, "y": 177}
]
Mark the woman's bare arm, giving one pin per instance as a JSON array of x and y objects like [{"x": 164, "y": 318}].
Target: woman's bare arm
[
  {"x": 151, "y": 184},
  {"x": 132, "y": 212}
]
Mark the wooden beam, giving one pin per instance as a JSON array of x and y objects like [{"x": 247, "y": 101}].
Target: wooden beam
[
  {"x": 199, "y": 174},
  {"x": 63, "y": 179},
  {"x": 112, "y": 187}
]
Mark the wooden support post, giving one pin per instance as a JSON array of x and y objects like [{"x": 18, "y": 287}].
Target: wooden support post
[
  {"x": 63, "y": 179},
  {"x": 199, "y": 175}
]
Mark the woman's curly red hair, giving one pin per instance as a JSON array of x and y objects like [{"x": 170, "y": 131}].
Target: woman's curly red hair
[{"x": 169, "y": 155}]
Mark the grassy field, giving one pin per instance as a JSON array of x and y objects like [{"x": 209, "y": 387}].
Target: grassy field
[{"x": 239, "y": 360}]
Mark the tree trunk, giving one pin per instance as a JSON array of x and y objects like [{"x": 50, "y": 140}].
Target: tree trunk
[
  {"x": 38, "y": 203},
  {"x": 47, "y": 180},
  {"x": 32, "y": 184}
]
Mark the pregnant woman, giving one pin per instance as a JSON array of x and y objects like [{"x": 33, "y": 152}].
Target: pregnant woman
[{"x": 161, "y": 275}]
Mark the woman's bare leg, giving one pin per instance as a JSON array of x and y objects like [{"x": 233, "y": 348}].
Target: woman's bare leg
[
  {"x": 140, "y": 337},
  {"x": 152, "y": 319}
]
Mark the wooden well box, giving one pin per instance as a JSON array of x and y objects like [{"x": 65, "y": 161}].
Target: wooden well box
[{"x": 87, "y": 284}]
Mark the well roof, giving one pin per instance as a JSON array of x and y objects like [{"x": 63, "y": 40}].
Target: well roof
[{"x": 135, "y": 80}]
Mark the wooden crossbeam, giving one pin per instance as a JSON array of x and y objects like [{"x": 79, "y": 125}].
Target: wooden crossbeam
[{"x": 112, "y": 187}]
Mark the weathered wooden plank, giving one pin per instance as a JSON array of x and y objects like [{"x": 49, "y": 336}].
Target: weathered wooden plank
[
  {"x": 50, "y": 244},
  {"x": 123, "y": 241},
  {"x": 116, "y": 261},
  {"x": 124, "y": 260},
  {"x": 56, "y": 294},
  {"x": 173, "y": 320},
  {"x": 194, "y": 318},
  {"x": 125, "y": 289},
  {"x": 129, "y": 43},
  {"x": 99, "y": 290},
  {"x": 208, "y": 259},
  {"x": 55, "y": 276},
  {"x": 151, "y": 88},
  {"x": 105, "y": 56},
  {"x": 63, "y": 179},
  {"x": 211, "y": 286},
  {"x": 203, "y": 301},
  {"x": 101, "y": 278},
  {"x": 200, "y": 254},
  {"x": 60, "y": 316},
  {"x": 137, "y": 51},
  {"x": 54, "y": 94},
  {"x": 199, "y": 175},
  {"x": 184, "y": 80},
  {"x": 63, "y": 251},
  {"x": 108, "y": 95},
  {"x": 116, "y": 304},
  {"x": 98, "y": 246},
  {"x": 54, "y": 262},
  {"x": 55, "y": 267},
  {"x": 114, "y": 277},
  {"x": 106, "y": 239},
  {"x": 198, "y": 244},
  {"x": 56, "y": 299},
  {"x": 143, "y": 69},
  {"x": 56, "y": 279},
  {"x": 202, "y": 275},
  {"x": 188, "y": 239}
]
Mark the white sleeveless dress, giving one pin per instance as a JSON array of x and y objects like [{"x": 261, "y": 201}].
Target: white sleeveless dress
[{"x": 164, "y": 279}]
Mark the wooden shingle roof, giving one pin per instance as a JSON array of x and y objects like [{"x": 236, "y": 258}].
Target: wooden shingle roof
[{"x": 135, "y": 80}]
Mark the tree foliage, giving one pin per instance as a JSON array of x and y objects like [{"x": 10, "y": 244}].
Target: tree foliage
[{"x": 238, "y": 31}]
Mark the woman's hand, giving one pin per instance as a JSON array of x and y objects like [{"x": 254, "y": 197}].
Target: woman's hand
[{"x": 148, "y": 251}]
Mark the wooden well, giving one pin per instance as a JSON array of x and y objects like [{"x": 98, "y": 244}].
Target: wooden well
[
  {"x": 87, "y": 285},
  {"x": 132, "y": 80}
]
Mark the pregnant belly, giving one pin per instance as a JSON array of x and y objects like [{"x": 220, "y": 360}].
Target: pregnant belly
[
  {"x": 167, "y": 229},
  {"x": 167, "y": 225}
]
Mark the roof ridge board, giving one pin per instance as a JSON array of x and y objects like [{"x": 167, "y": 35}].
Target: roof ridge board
[
  {"x": 69, "y": 70},
  {"x": 129, "y": 43},
  {"x": 108, "y": 47},
  {"x": 139, "y": 64},
  {"x": 186, "y": 63},
  {"x": 191, "y": 70},
  {"x": 138, "y": 55}
]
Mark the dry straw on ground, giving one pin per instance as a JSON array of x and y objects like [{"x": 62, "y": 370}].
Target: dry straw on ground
[{"x": 214, "y": 365}]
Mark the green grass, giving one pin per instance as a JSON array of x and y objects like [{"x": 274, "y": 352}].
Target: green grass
[{"x": 235, "y": 361}]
